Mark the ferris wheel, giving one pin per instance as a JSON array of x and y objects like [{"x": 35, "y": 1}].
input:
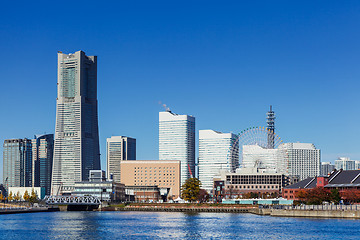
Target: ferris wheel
[{"x": 261, "y": 148}]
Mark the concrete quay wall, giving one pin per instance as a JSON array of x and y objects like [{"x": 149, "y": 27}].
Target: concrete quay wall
[
  {"x": 315, "y": 213},
  {"x": 183, "y": 209}
]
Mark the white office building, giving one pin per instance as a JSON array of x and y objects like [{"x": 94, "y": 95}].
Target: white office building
[
  {"x": 304, "y": 159},
  {"x": 217, "y": 151},
  {"x": 177, "y": 141},
  {"x": 345, "y": 163},
  {"x": 118, "y": 149}
]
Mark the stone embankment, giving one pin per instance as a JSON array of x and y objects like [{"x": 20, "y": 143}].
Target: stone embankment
[
  {"x": 313, "y": 211},
  {"x": 192, "y": 208},
  {"x": 27, "y": 210},
  {"x": 285, "y": 211}
]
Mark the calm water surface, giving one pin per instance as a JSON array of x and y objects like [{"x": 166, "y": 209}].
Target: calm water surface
[{"x": 155, "y": 225}]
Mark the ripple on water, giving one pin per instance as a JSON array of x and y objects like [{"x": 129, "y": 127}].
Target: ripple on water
[{"x": 159, "y": 225}]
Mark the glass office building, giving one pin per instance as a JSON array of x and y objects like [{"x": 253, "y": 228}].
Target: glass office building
[
  {"x": 42, "y": 148},
  {"x": 76, "y": 145},
  {"x": 17, "y": 163},
  {"x": 118, "y": 148}
]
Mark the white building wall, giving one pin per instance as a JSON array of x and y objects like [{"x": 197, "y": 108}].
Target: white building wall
[
  {"x": 304, "y": 159},
  {"x": 345, "y": 163},
  {"x": 268, "y": 160},
  {"x": 177, "y": 141},
  {"x": 40, "y": 191},
  {"x": 217, "y": 151}
]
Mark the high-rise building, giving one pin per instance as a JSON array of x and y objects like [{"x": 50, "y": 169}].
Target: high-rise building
[
  {"x": 177, "y": 141},
  {"x": 304, "y": 159},
  {"x": 217, "y": 151},
  {"x": 76, "y": 146},
  {"x": 42, "y": 161},
  {"x": 17, "y": 163},
  {"x": 118, "y": 148},
  {"x": 345, "y": 163},
  {"x": 326, "y": 168}
]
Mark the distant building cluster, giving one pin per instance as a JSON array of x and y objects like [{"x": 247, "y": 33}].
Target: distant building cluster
[{"x": 229, "y": 165}]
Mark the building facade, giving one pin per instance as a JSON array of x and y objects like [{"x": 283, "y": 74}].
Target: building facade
[
  {"x": 17, "y": 163},
  {"x": 177, "y": 141},
  {"x": 268, "y": 159},
  {"x": 118, "y": 149},
  {"x": 345, "y": 163},
  {"x": 161, "y": 173},
  {"x": 304, "y": 159},
  {"x": 39, "y": 191},
  {"x": 76, "y": 147},
  {"x": 99, "y": 186},
  {"x": 42, "y": 160},
  {"x": 326, "y": 168},
  {"x": 251, "y": 181},
  {"x": 217, "y": 151}
]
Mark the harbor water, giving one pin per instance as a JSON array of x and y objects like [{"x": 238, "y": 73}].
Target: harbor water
[{"x": 165, "y": 225}]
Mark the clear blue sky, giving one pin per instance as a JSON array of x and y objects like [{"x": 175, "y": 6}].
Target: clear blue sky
[{"x": 224, "y": 62}]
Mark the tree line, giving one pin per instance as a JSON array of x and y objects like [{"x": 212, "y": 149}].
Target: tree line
[{"x": 319, "y": 195}]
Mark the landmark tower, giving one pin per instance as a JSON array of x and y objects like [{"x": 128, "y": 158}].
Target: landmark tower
[{"x": 76, "y": 144}]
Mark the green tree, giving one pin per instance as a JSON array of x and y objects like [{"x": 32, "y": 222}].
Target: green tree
[
  {"x": 26, "y": 196},
  {"x": 190, "y": 189}
]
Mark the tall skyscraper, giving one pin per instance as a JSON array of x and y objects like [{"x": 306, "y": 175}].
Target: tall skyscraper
[
  {"x": 304, "y": 159},
  {"x": 76, "y": 147},
  {"x": 217, "y": 151},
  {"x": 177, "y": 141},
  {"x": 17, "y": 163},
  {"x": 42, "y": 156},
  {"x": 118, "y": 148}
]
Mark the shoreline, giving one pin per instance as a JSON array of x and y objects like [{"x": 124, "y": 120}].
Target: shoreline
[{"x": 342, "y": 214}]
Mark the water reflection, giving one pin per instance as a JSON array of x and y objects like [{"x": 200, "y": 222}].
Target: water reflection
[{"x": 157, "y": 225}]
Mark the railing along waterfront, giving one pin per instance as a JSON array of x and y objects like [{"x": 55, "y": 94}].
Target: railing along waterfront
[
  {"x": 315, "y": 207},
  {"x": 13, "y": 208}
]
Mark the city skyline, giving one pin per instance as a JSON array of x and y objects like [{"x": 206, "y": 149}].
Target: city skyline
[{"x": 225, "y": 71}]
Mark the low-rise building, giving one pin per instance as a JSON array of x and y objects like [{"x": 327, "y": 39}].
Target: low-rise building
[
  {"x": 342, "y": 180},
  {"x": 251, "y": 180},
  {"x": 146, "y": 193},
  {"x": 39, "y": 191},
  {"x": 98, "y": 186},
  {"x": 163, "y": 174}
]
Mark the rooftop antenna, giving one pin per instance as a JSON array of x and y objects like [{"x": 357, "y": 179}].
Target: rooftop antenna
[{"x": 270, "y": 128}]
